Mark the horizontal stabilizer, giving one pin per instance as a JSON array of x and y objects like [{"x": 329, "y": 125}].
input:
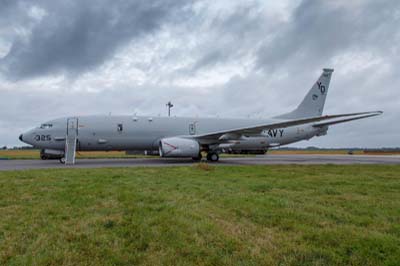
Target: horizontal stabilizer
[{"x": 347, "y": 120}]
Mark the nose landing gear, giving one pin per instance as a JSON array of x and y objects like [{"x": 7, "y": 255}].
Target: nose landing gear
[{"x": 198, "y": 158}]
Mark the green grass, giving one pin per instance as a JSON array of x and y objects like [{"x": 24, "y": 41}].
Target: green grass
[{"x": 202, "y": 215}]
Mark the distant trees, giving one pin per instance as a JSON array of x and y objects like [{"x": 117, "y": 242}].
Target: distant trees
[{"x": 4, "y": 148}]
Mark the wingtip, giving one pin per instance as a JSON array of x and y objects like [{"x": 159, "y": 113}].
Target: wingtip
[{"x": 373, "y": 112}]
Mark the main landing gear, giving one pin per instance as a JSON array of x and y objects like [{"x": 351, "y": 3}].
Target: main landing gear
[{"x": 212, "y": 157}]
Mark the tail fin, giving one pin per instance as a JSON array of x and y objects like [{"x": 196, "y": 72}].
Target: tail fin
[{"x": 313, "y": 104}]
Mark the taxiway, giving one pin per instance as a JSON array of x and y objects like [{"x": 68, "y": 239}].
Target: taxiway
[{"x": 7, "y": 165}]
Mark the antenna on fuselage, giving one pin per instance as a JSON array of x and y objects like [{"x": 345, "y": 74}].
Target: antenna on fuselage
[{"x": 169, "y": 105}]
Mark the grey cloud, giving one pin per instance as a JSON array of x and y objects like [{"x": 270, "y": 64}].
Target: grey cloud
[
  {"x": 231, "y": 36},
  {"x": 7, "y": 5},
  {"x": 76, "y": 36},
  {"x": 319, "y": 30}
]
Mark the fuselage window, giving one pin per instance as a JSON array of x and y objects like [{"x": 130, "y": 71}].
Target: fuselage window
[{"x": 120, "y": 127}]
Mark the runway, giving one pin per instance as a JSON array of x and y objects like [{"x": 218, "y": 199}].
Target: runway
[{"x": 8, "y": 165}]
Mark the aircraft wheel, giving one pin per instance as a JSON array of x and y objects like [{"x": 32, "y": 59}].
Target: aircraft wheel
[
  {"x": 198, "y": 158},
  {"x": 213, "y": 157},
  {"x": 62, "y": 160}
]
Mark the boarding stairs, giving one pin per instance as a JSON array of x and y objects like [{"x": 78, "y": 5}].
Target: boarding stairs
[{"x": 71, "y": 140}]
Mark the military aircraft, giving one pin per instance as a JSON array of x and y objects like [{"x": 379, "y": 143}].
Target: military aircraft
[{"x": 187, "y": 136}]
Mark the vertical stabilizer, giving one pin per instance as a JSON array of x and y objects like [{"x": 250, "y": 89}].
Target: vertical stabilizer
[{"x": 313, "y": 104}]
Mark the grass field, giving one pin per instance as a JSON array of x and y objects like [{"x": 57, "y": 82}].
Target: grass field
[{"x": 202, "y": 215}]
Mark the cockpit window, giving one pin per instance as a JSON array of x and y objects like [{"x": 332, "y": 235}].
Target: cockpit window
[{"x": 45, "y": 126}]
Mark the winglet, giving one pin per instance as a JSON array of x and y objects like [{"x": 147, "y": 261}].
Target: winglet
[{"x": 328, "y": 70}]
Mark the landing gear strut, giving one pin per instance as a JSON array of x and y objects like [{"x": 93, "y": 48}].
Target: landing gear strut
[{"x": 213, "y": 157}]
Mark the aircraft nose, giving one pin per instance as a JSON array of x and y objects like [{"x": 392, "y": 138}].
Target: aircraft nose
[{"x": 21, "y": 137}]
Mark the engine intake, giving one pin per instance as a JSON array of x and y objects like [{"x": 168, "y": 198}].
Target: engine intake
[{"x": 179, "y": 147}]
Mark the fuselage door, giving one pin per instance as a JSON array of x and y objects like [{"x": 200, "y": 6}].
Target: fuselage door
[{"x": 72, "y": 127}]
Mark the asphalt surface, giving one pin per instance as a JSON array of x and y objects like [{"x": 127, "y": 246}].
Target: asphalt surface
[{"x": 7, "y": 165}]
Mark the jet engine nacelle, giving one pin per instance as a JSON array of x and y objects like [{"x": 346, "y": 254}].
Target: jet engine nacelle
[{"x": 179, "y": 147}]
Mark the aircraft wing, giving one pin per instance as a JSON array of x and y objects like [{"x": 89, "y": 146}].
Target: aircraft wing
[{"x": 257, "y": 129}]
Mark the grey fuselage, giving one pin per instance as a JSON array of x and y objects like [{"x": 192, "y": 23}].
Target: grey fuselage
[{"x": 144, "y": 133}]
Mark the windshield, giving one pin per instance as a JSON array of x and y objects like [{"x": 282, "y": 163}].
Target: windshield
[{"x": 44, "y": 126}]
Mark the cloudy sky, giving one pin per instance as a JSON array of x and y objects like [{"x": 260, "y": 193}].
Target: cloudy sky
[{"x": 250, "y": 58}]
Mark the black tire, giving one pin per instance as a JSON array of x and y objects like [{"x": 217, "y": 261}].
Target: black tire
[
  {"x": 43, "y": 157},
  {"x": 62, "y": 160},
  {"x": 213, "y": 157},
  {"x": 198, "y": 158}
]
